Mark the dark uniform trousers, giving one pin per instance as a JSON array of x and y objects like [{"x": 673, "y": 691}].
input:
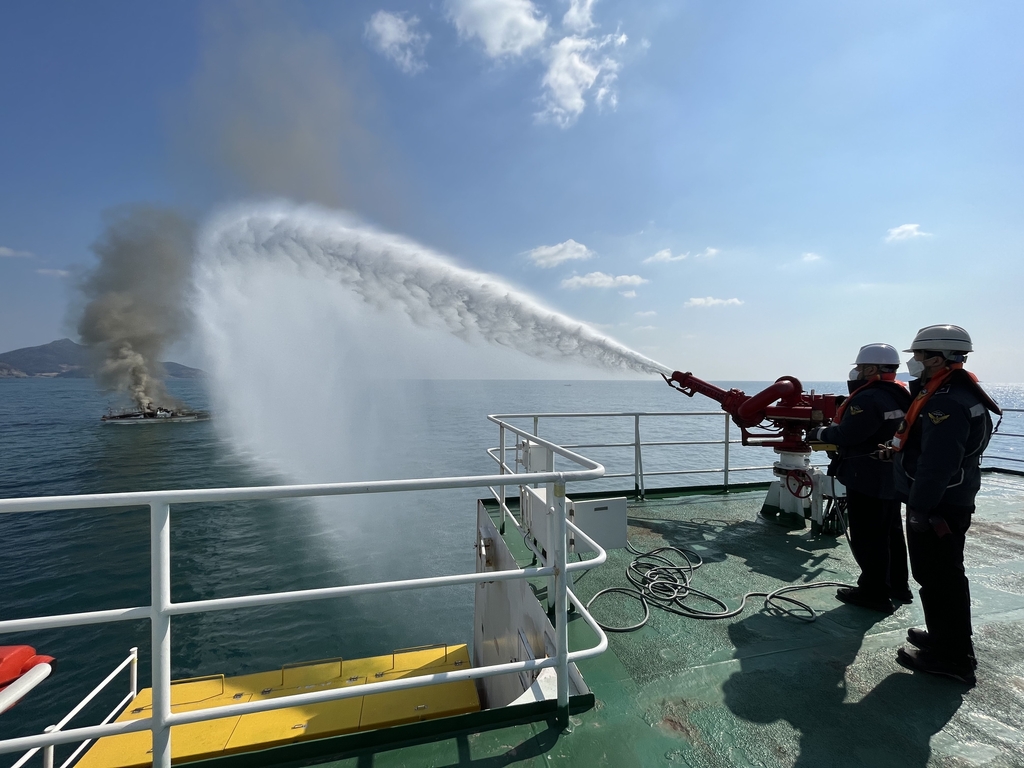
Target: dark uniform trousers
[
  {"x": 876, "y": 538},
  {"x": 938, "y": 566}
]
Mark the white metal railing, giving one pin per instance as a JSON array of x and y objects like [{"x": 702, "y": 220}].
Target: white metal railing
[
  {"x": 639, "y": 474},
  {"x": 132, "y": 664},
  {"x": 162, "y": 608},
  {"x": 1015, "y": 435}
]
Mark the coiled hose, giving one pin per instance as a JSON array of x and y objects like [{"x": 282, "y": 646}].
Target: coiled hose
[{"x": 658, "y": 580}]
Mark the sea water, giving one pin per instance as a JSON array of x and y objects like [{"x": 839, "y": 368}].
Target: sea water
[{"x": 52, "y": 443}]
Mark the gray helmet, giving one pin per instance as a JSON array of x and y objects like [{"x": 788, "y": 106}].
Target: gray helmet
[
  {"x": 951, "y": 340},
  {"x": 878, "y": 354}
]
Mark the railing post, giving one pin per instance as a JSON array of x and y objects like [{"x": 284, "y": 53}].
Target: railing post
[
  {"x": 133, "y": 672},
  {"x": 639, "y": 458},
  {"x": 48, "y": 749},
  {"x": 160, "y": 628},
  {"x": 501, "y": 468},
  {"x": 726, "y": 483},
  {"x": 536, "y": 426},
  {"x": 549, "y": 552},
  {"x": 558, "y": 544}
]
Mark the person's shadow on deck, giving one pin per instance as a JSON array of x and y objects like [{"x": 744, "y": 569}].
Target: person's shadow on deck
[{"x": 891, "y": 725}]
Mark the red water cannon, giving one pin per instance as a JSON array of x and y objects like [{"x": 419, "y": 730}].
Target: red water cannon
[{"x": 780, "y": 413}]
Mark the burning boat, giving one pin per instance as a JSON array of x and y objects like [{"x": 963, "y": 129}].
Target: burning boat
[{"x": 153, "y": 415}]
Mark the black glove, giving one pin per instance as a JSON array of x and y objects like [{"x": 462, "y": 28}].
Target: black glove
[
  {"x": 813, "y": 434},
  {"x": 922, "y": 522},
  {"x": 884, "y": 452},
  {"x": 918, "y": 521}
]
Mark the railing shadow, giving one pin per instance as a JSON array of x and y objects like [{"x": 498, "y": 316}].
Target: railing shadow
[
  {"x": 765, "y": 548},
  {"x": 537, "y": 744}
]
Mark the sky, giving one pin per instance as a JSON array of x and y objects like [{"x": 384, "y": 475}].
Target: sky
[{"x": 744, "y": 190}]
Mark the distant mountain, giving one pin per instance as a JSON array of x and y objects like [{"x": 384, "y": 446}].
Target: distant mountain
[
  {"x": 54, "y": 359},
  {"x": 179, "y": 371},
  {"x": 64, "y": 359}
]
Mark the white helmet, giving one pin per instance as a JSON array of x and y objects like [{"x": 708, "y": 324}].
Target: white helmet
[
  {"x": 949, "y": 339},
  {"x": 878, "y": 354}
]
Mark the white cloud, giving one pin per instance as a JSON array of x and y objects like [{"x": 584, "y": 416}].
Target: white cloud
[
  {"x": 645, "y": 328},
  {"x": 906, "y": 232},
  {"x": 601, "y": 280},
  {"x": 665, "y": 255},
  {"x": 53, "y": 272},
  {"x": 11, "y": 253},
  {"x": 575, "y": 66},
  {"x": 395, "y": 36},
  {"x": 648, "y": 313},
  {"x": 505, "y": 27},
  {"x": 628, "y": 294},
  {"x": 712, "y": 302},
  {"x": 810, "y": 257},
  {"x": 547, "y": 256},
  {"x": 579, "y": 16}
]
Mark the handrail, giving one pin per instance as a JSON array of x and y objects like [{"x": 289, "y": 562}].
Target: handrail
[
  {"x": 162, "y": 609},
  {"x": 1013, "y": 459},
  {"x": 639, "y": 474},
  {"x": 132, "y": 663}
]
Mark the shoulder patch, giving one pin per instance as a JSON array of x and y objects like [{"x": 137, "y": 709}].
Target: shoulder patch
[
  {"x": 889, "y": 415},
  {"x": 854, "y": 410},
  {"x": 977, "y": 410},
  {"x": 937, "y": 417}
]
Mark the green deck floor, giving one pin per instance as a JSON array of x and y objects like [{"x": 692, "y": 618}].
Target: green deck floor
[{"x": 765, "y": 690}]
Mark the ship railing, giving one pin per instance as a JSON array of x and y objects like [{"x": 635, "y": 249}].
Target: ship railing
[
  {"x": 636, "y": 445},
  {"x": 132, "y": 665},
  {"x": 726, "y": 470},
  {"x": 1006, "y": 442},
  {"x": 162, "y": 608}
]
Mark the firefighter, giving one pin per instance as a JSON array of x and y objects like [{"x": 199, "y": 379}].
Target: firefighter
[
  {"x": 936, "y": 461},
  {"x": 869, "y": 416}
]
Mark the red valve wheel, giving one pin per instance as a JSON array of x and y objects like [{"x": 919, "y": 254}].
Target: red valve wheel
[{"x": 799, "y": 483}]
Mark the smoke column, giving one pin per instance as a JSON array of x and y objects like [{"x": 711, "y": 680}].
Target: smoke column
[
  {"x": 391, "y": 273},
  {"x": 135, "y": 300}
]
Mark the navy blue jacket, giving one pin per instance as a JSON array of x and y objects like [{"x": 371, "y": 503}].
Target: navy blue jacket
[
  {"x": 941, "y": 463},
  {"x": 871, "y": 417}
]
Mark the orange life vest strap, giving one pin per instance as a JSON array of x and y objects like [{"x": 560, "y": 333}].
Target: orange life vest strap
[
  {"x": 933, "y": 384},
  {"x": 873, "y": 380}
]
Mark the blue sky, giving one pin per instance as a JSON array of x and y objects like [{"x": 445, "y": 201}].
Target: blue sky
[{"x": 740, "y": 189}]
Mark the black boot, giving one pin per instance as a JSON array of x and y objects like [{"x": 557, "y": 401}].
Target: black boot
[
  {"x": 919, "y": 638},
  {"x": 903, "y": 595},
  {"x": 857, "y": 596},
  {"x": 930, "y": 662}
]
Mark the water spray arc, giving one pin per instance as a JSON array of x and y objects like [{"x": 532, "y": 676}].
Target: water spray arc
[{"x": 392, "y": 273}]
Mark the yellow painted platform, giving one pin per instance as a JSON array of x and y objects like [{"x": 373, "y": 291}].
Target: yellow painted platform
[{"x": 230, "y": 735}]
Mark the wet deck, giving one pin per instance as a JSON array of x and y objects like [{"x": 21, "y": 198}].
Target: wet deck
[{"x": 765, "y": 690}]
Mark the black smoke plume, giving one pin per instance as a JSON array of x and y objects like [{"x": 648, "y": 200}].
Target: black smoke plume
[{"x": 136, "y": 300}]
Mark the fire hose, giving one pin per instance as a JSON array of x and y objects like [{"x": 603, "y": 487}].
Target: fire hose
[{"x": 665, "y": 584}]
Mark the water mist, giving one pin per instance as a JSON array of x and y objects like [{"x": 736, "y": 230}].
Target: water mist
[{"x": 316, "y": 326}]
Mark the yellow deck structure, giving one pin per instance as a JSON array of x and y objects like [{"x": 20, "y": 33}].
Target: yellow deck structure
[{"x": 245, "y": 733}]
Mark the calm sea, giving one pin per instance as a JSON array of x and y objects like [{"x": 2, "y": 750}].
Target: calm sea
[{"x": 52, "y": 442}]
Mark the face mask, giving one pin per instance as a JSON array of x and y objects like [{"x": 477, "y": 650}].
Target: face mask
[
  {"x": 915, "y": 368},
  {"x": 854, "y": 375}
]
